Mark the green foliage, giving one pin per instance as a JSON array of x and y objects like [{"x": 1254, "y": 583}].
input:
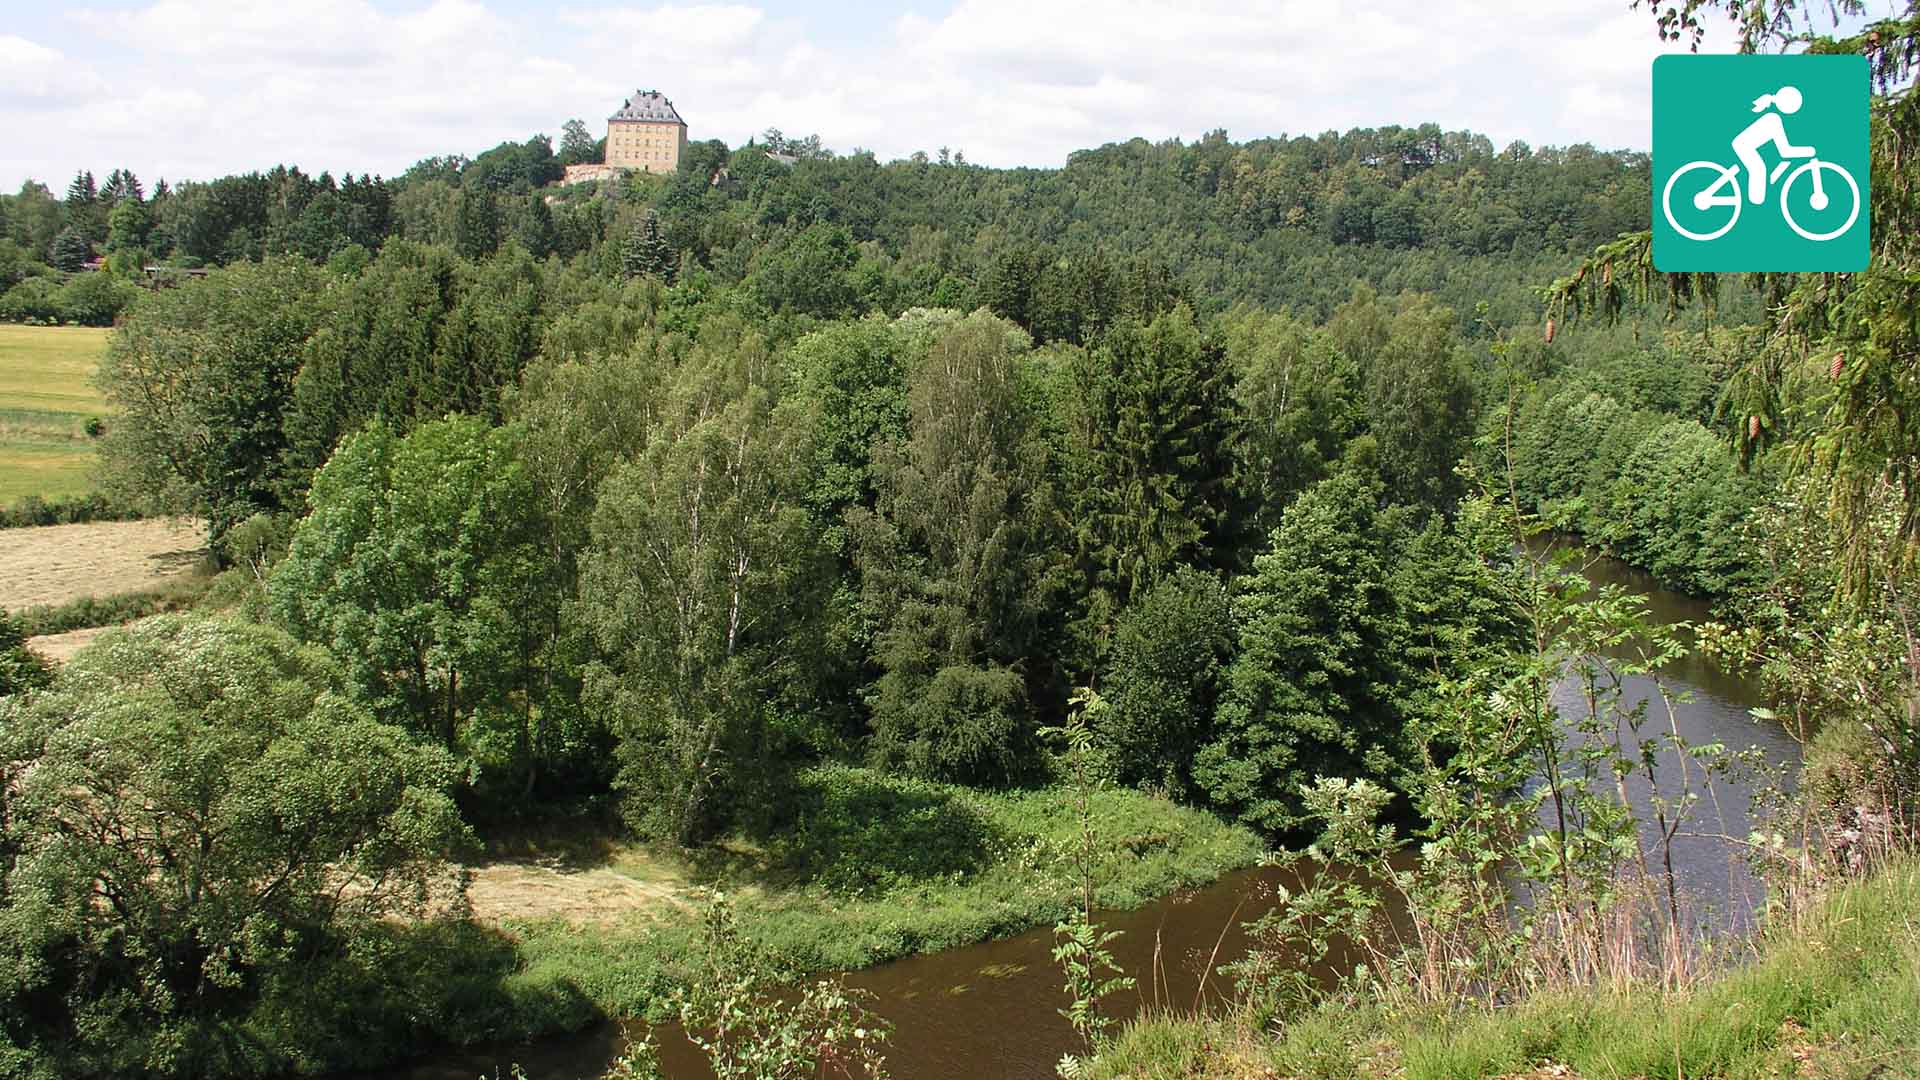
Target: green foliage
[
  {"x": 956, "y": 562},
  {"x": 646, "y": 253},
  {"x": 418, "y": 565},
  {"x": 1613, "y": 449},
  {"x": 86, "y": 612},
  {"x": 1081, "y": 947},
  {"x": 183, "y": 804},
  {"x": 417, "y": 335},
  {"x": 699, "y": 590},
  {"x": 33, "y": 510},
  {"x": 1317, "y": 660},
  {"x": 95, "y": 299},
  {"x": 1418, "y": 392},
  {"x": 1170, "y": 651},
  {"x": 806, "y": 272},
  {"x": 1346, "y": 618},
  {"x": 21, "y": 669},
  {"x": 853, "y": 378},
  {"x": 1832, "y": 997},
  {"x": 70, "y": 250},
  {"x": 1298, "y": 396},
  {"x": 1150, "y": 434},
  {"x": 199, "y": 376},
  {"x": 740, "y": 1013},
  {"x": 1822, "y": 656},
  {"x": 856, "y": 833},
  {"x": 844, "y": 897}
]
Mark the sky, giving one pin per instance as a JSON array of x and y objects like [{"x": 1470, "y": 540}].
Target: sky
[{"x": 193, "y": 89}]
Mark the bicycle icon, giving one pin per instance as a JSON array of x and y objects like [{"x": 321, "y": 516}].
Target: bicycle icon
[
  {"x": 1769, "y": 131},
  {"x": 1724, "y": 192}
]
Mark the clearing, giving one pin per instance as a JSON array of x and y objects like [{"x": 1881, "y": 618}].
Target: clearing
[
  {"x": 46, "y": 399},
  {"x": 53, "y": 564},
  {"x": 601, "y": 891}
]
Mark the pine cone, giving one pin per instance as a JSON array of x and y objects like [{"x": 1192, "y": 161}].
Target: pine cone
[
  {"x": 1549, "y": 331},
  {"x": 1839, "y": 363},
  {"x": 1753, "y": 427}
]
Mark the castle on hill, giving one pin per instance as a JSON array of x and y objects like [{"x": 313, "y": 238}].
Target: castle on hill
[{"x": 646, "y": 133}]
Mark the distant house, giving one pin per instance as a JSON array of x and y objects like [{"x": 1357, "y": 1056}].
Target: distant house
[
  {"x": 159, "y": 277},
  {"x": 646, "y": 133}
]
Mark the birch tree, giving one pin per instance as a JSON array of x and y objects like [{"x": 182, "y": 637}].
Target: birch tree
[{"x": 701, "y": 578}]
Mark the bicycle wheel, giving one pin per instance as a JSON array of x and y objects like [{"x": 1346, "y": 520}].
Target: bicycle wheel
[
  {"x": 1723, "y": 174},
  {"x": 1786, "y": 201}
]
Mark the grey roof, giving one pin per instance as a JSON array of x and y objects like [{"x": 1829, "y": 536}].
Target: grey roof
[{"x": 648, "y": 105}]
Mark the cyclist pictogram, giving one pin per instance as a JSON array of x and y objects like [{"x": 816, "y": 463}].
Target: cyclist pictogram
[
  {"x": 1760, "y": 163},
  {"x": 1721, "y": 182}
]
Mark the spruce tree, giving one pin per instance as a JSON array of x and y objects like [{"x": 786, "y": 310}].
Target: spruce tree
[
  {"x": 81, "y": 192},
  {"x": 1152, "y": 436},
  {"x": 646, "y": 251},
  {"x": 70, "y": 249},
  {"x": 476, "y": 224}
]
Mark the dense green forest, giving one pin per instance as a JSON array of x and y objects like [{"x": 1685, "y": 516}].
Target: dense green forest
[
  {"x": 1278, "y": 222},
  {"x": 713, "y": 508}
]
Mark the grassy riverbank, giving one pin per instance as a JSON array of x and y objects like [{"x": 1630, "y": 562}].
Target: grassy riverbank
[
  {"x": 876, "y": 868},
  {"x": 1835, "y": 996}
]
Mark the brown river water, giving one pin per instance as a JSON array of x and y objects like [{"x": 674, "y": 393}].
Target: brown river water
[{"x": 989, "y": 1010}]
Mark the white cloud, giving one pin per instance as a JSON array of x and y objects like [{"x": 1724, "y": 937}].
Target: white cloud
[
  {"x": 204, "y": 87},
  {"x": 31, "y": 72}
]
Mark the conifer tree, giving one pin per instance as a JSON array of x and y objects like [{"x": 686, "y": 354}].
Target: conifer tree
[
  {"x": 1152, "y": 436},
  {"x": 70, "y": 249},
  {"x": 82, "y": 191},
  {"x": 646, "y": 252}
]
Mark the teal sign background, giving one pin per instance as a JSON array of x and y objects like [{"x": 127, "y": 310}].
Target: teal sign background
[{"x": 1701, "y": 104}]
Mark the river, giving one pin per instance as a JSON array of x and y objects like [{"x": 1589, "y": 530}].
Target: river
[{"x": 989, "y": 1009}]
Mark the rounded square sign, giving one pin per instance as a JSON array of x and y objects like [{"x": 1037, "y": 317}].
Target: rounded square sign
[{"x": 1760, "y": 163}]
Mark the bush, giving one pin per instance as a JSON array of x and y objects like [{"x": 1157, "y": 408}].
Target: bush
[
  {"x": 88, "y": 612},
  {"x": 95, "y": 299},
  {"x": 35, "y": 300},
  {"x": 1169, "y": 650},
  {"x": 33, "y": 510}
]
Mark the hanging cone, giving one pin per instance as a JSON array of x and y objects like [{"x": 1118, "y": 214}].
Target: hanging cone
[
  {"x": 1753, "y": 427},
  {"x": 1607, "y": 277},
  {"x": 1839, "y": 363},
  {"x": 1549, "y": 330}
]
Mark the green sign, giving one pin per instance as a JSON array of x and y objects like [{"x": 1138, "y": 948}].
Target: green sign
[{"x": 1760, "y": 163}]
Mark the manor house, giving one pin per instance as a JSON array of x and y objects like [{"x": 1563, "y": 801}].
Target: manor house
[{"x": 646, "y": 133}]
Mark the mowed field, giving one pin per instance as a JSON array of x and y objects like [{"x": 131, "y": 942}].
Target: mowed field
[
  {"x": 53, "y": 564},
  {"x": 46, "y": 399}
]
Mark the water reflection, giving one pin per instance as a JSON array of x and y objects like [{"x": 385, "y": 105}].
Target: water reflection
[{"x": 990, "y": 1009}]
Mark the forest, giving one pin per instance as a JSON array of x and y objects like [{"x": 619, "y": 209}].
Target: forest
[{"x": 786, "y": 508}]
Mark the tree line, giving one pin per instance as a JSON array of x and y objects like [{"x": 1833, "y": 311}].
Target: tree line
[{"x": 1275, "y": 221}]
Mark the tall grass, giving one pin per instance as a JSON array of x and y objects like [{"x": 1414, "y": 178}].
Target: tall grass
[{"x": 1833, "y": 992}]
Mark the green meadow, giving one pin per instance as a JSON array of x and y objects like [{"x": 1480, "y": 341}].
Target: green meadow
[{"x": 46, "y": 399}]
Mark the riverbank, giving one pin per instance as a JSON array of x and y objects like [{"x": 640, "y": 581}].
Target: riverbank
[
  {"x": 1836, "y": 994},
  {"x": 875, "y": 869}
]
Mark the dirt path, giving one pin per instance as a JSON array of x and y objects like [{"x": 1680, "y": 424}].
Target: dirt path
[{"x": 60, "y": 648}]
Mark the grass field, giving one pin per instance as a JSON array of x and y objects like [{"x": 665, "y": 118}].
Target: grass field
[{"x": 46, "y": 399}]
